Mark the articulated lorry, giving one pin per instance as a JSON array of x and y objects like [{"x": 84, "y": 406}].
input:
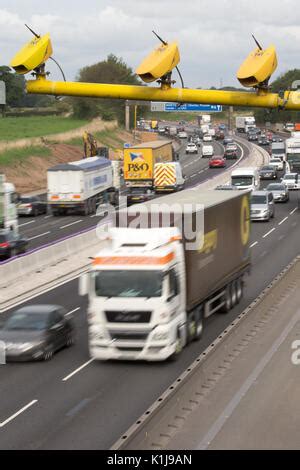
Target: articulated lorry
[
  {"x": 140, "y": 159},
  {"x": 150, "y": 288},
  {"x": 292, "y": 147},
  {"x": 244, "y": 123},
  {"x": 8, "y": 208},
  {"x": 278, "y": 150},
  {"x": 82, "y": 185}
]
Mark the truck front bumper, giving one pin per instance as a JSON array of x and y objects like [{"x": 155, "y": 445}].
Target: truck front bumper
[{"x": 155, "y": 352}]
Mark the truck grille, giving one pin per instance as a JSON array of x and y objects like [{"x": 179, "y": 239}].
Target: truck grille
[
  {"x": 127, "y": 317},
  {"x": 128, "y": 336}
]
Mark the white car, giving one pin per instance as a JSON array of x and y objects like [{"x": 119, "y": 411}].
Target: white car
[
  {"x": 291, "y": 180},
  {"x": 191, "y": 148},
  {"x": 276, "y": 162},
  {"x": 182, "y": 135},
  {"x": 207, "y": 151},
  {"x": 207, "y": 138}
]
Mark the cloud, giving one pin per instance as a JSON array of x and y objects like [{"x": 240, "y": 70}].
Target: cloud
[{"x": 214, "y": 36}]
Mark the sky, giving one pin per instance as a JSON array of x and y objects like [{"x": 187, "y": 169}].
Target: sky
[{"x": 214, "y": 36}]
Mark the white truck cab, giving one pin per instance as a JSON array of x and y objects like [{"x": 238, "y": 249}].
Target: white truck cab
[
  {"x": 8, "y": 205},
  {"x": 245, "y": 178},
  {"x": 138, "y": 281}
]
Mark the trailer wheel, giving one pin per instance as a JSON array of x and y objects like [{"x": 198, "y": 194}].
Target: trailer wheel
[
  {"x": 239, "y": 290},
  {"x": 227, "y": 298},
  {"x": 233, "y": 294},
  {"x": 198, "y": 324}
]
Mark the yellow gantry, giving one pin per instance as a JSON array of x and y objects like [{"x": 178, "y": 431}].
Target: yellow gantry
[{"x": 260, "y": 98}]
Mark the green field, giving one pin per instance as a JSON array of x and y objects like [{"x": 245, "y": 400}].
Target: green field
[
  {"x": 105, "y": 137},
  {"x": 13, "y": 128},
  {"x": 12, "y": 156}
]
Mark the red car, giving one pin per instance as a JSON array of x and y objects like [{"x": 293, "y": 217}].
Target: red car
[{"x": 217, "y": 162}]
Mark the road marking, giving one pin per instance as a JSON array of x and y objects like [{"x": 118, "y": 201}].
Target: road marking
[
  {"x": 69, "y": 225},
  {"x": 78, "y": 370},
  {"x": 263, "y": 254},
  {"x": 39, "y": 236},
  {"x": 72, "y": 311},
  {"x": 268, "y": 233},
  {"x": 18, "y": 413},
  {"x": 195, "y": 174},
  {"x": 294, "y": 210},
  {"x": 47, "y": 216},
  {"x": 27, "y": 223},
  {"x": 253, "y": 244},
  {"x": 283, "y": 220},
  {"x": 294, "y": 224}
]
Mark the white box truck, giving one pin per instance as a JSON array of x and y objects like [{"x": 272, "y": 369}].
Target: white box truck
[
  {"x": 150, "y": 288},
  {"x": 244, "y": 123},
  {"x": 80, "y": 186},
  {"x": 168, "y": 177}
]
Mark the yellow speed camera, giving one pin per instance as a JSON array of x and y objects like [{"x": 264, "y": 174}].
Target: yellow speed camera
[
  {"x": 159, "y": 63},
  {"x": 34, "y": 54},
  {"x": 258, "y": 67}
]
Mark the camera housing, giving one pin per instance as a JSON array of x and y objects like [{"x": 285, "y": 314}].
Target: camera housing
[
  {"x": 159, "y": 62},
  {"x": 257, "y": 69},
  {"x": 32, "y": 55}
]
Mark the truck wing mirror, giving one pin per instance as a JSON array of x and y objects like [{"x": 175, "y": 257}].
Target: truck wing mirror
[{"x": 84, "y": 284}]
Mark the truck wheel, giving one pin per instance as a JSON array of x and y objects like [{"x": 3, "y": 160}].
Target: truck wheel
[
  {"x": 227, "y": 298},
  {"x": 233, "y": 294},
  {"x": 239, "y": 290},
  {"x": 198, "y": 325}
]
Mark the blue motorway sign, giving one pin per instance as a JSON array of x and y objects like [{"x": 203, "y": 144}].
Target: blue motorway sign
[{"x": 213, "y": 108}]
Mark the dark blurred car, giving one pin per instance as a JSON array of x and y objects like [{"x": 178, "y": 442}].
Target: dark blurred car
[
  {"x": 226, "y": 187},
  {"x": 11, "y": 244},
  {"x": 222, "y": 127},
  {"x": 227, "y": 140},
  {"x": 279, "y": 191},
  {"x": 267, "y": 173},
  {"x": 217, "y": 162},
  {"x": 231, "y": 151},
  {"x": 31, "y": 206},
  {"x": 220, "y": 135},
  {"x": 36, "y": 332},
  {"x": 263, "y": 140},
  {"x": 252, "y": 137},
  {"x": 139, "y": 194}
]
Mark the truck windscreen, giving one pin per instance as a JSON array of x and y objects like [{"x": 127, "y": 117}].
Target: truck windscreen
[
  {"x": 119, "y": 283},
  {"x": 277, "y": 151},
  {"x": 293, "y": 157},
  {"x": 242, "y": 180}
]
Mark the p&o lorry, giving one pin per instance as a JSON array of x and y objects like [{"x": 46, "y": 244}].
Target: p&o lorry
[
  {"x": 82, "y": 185},
  {"x": 8, "y": 205},
  {"x": 149, "y": 288}
]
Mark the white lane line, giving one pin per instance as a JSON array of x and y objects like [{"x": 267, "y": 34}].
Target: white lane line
[
  {"x": 18, "y": 413},
  {"x": 77, "y": 370},
  {"x": 268, "y": 233},
  {"x": 195, "y": 174},
  {"x": 27, "y": 223},
  {"x": 294, "y": 210},
  {"x": 47, "y": 216},
  {"x": 38, "y": 236},
  {"x": 283, "y": 220},
  {"x": 72, "y": 311},
  {"x": 69, "y": 225},
  {"x": 253, "y": 244}
]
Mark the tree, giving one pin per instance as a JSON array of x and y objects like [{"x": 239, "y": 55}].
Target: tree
[
  {"x": 15, "y": 86},
  {"x": 112, "y": 70}
]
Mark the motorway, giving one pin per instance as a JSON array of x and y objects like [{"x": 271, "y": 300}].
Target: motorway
[
  {"x": 47, "y": 229},
  {"x": 72, "y": 402}
]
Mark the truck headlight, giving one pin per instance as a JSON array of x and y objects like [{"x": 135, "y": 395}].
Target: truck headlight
[{"x": 160, "y": 336}]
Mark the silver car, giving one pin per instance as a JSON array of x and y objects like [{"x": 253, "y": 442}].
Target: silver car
[
  {"x": 262, "y": 205},
  {"x": 279, "y": 191}
]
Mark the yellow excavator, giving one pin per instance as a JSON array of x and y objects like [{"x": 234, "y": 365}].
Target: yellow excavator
[{"x": 90, "y": 146}]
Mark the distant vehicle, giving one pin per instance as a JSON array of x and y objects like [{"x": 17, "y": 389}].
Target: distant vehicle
[
  {"x": 161, "y": 130},
  {"x": 245, "y": 178},
  {"x": 289, "y": 127},
  {"x": 291, "y": 181},
  {"x": 217, "y": 162},
  {"x": 263, "y": 140},
  {"x": 220, "y": 135},
  {"x": 222, "y": 127},
  {"x": 31, "y": 206},
  {"x": 198, "y": 141},
  {"x": 226, "y": 187},
  {"x": 11, "y": 244},
  {"x": 227, "y": 140},
  {"x": 172, "y": 131},
  {"x": 36, "y": 332},
  {"x": 252, "y": 137},
  {"x": 277, "y": 163},
  {"x": 8, "y": 205},
  {"x": 231, "y": 152},
  {"x": 244, "y": 123},
  {"x": 207, "y": 151},
  {"x": 207, "y": 138},
  {"x": 268, "y": 172},
  {"x": 139, "y": 194},
  {"x": 278, "y": 150},
  {"x": 279, "y": 191},
  {"x": 182, "y": 135},
  {"x": 191, "y": 148},
  {"x": 168, "y": 177},
  {"x": 262, "y": 205}
]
